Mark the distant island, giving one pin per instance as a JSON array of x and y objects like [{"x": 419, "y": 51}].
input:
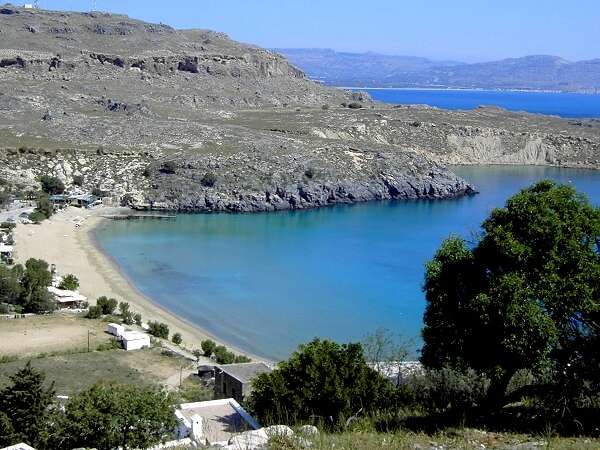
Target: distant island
[{"x": 537, "y": 72}]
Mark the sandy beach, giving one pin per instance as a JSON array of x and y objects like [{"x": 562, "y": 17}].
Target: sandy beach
[{"x": 73, "y": 250}]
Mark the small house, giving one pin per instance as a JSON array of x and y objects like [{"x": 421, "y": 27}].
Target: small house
[
  {"x": 206, "y": 372},
  {"x": 83, "y": 200},
  {"x": 59, "y": 201},
  {"x": 115, "y": 329},
  {"x": 213, "y": 422},
  {"x": 68, "y": 299},
  {"x": 235, "y": 380},
  {"x": 134, "y": 340},
  {"x": 21, "y": 446}
]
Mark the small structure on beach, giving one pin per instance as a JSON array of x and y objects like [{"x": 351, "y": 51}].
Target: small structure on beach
[
  {"x": 82, "y": 200},
  {"x": 21, "y": 446},
  {"x": 59, "y": 201},
  {"x": 213, "y": 422},
  {"x": 68, "y": 299},
  {"x": 235, "y": 380},
  {"x": 131, "y": 340},
  {"x": 6, "y": 253}
]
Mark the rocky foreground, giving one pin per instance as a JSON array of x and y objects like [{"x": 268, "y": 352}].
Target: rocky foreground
[{"x": 190, "y": 120}]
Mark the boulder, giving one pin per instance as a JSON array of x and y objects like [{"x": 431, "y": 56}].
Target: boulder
[
  {"x": 249, "y": 440},
  {"x": 278, "y": 430}
]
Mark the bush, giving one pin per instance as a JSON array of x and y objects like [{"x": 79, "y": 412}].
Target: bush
[
  {"x": 37, "y": 217},
  {"x": 94, "y": 312},
  {"x": 355, "y": 105},
  {"x": 69, "y": 283},
  {"x": 323, "y": 379},
  {"x": 309, "y": 173},
  {"x": 209, "y": 179},
  {"x": 446, "y": 389},
  {"x": 242, "y": 359},
  {"x": 127, "y": 317},
  {"x": 52, "y": 185},
  {"x": 208, "y": 347},
  {"x": 8, "y": 225},
  {"x": 147, "y": 172},
  {"x": 223, "y": 356},
  {"x": 137, "y": 318},
  {"x": 44, "y": 207},
  {"x": 78, "y": 180},
  {"x": 159, "y": 330},
  {"x": 168, "y": 167},
  {"x": 123, "y": 308},
  {"x": 108, "y": 305},
  {"x": 177, "y": 339}
]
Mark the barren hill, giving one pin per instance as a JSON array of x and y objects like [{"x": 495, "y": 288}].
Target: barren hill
[{"x": 191, "y": 120}]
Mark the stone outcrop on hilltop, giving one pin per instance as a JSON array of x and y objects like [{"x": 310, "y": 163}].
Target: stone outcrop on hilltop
[{"x": 191, "y": 120}]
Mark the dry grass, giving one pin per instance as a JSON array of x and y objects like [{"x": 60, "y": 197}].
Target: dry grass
[
  {"x": 72, "y": 373},
  {"x": 466, "y": 439},
  {"x": 37, "y": 335}
]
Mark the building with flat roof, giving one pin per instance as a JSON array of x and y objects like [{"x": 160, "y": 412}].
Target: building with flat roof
[
  {"x": 235, "y": 380},
  {"x": 213, "y": 422},
  {"x": 68, "y": 299}
]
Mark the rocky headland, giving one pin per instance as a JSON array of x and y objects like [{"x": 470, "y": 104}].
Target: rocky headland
[{"x": 190, "y": 120}]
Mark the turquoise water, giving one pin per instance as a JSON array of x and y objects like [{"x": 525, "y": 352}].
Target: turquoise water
[
  {"x": 267, "y": 282},
  {"x": 555, "y": 103}
]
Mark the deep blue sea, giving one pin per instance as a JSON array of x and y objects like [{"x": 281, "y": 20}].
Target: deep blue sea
[
  {"x": 268, "y": 282},
  {"x": 559, "y": 104}
]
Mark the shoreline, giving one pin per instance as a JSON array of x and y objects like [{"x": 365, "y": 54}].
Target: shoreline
[{"x": 76, "y": 250}]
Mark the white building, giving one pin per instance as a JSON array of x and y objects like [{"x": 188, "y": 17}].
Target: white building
[
  {"x": 213, "y": 422},
  {"x": 115, "y": 329},
  {"x": 135, "y": 340},
  {"x": 131, "y": 340}
]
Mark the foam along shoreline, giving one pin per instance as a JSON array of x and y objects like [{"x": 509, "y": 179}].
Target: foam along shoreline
[{"x": 73, "y": 249}]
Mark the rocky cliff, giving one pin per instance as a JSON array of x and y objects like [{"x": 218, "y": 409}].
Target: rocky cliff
[{"x": 190, "y": 120}]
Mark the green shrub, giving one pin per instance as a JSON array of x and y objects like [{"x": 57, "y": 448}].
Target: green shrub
[
  {"x": 223, "y": 356},
  {"x": 78, "y": 180},
  {"x": 242, "y": 359},
  {"x": 177, "y": 339},
  {"x": 108, "y": 305},
  {"x": 310, "y": 173},
  {"x": 8, "y": 225},
  {"x": 112, "y": 344},
  {"x": 37, "y": 217},
  {"x": 159, "y": 330},
  {"x": 94, "y": 312},
  {"x": 137, "y": 318},
  {"x": 443, "y": 390},
  {"x": 52, "y": 185},
  {"x": 69, "y": 283},
  {"x": 208, "y": 347},
  {"x": 355, "y": 105}
]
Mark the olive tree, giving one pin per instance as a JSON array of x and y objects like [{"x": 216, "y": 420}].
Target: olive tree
[{"x": 520, "y": 295}]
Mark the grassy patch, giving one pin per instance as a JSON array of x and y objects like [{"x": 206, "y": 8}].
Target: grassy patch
[
  {"x": 74, "y": 372},
  {"x": 194, "y": 390}
]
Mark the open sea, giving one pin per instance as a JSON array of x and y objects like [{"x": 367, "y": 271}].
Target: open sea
[
  {"x": 268, "y": 282},
  {"x": 555, "y": 103}
]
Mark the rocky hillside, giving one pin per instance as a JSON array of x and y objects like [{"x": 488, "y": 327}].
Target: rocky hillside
[{"x": 190, "y": 120}]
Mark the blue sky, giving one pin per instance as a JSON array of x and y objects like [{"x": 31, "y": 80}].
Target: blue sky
[{"x": 468, "y": 30}]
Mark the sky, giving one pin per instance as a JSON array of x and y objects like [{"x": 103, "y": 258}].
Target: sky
[{"x": 465, "y": 30}]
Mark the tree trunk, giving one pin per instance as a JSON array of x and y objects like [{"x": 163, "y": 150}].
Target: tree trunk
[{"x": 496, "y": 394}]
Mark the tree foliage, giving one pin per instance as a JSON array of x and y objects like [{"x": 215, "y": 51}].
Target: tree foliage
[
  {"x": 107, "y": 305},
  {"x": 208, "y": 347},
  {"x": 24, "y": 406},
  {"x": 323, "y": 379},
  {"x": 43, "y": 210},
  {"x": 522, "y": 295},
  {"x": 52, "y": 185},
  {"x": 109, "y": 416},
  {"x": 69, "y": 283},
  {"x": 177, "y": 339},
  {"x": 159, "y": 330}
]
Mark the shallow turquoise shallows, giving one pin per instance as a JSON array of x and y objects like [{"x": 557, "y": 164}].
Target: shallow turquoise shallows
[{"x": 268, "y": 282}]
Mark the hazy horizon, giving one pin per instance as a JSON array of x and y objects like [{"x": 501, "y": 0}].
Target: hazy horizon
[{"x": 464, "y": 30}]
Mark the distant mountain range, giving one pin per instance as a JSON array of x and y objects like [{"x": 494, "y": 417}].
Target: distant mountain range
[{"x": 538, "y": 72}]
